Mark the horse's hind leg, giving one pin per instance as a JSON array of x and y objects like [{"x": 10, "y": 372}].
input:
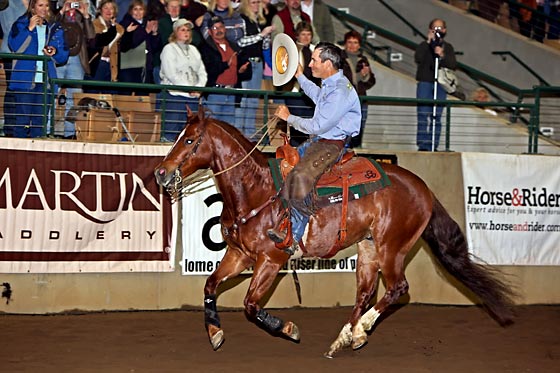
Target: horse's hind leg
[
  {"x": 232, "y": 264},
  {"x": 392, "y": 268},
  {"x": 367, "y": 269}
]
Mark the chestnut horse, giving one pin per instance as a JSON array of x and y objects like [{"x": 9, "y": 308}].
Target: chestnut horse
[{"x": 385, "y": 225}]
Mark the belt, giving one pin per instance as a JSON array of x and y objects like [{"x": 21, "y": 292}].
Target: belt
[
  {"x": 255, "y": 59},
  {"x": 338, "y": 143},
  {"x": 223, "y": 86}
]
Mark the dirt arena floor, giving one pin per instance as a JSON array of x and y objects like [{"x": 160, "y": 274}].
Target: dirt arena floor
[{"x": 413, "y": 338}]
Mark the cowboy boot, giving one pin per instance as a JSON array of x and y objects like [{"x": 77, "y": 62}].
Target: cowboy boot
[
  {"x": 279, "y": 233},
  {"x": 276, "y": 235}
]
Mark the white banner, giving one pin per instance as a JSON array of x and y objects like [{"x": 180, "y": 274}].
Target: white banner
[
  {"x": 204, "y": 247},
  {"x": 512, "y": 206},
  {"x": 75, "y": 207}
]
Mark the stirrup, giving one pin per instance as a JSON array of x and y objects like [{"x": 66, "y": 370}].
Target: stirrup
[
  {"x": 290, "y": 250},
  {"x": 281, "y": 234},
  {"x": 276, "y": 235}
]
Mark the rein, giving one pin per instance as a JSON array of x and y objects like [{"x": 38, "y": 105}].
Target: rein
[{"x": 192, "y": 184}]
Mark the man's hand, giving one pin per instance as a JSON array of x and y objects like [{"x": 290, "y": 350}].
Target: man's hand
[
  {"x": 282, "y": 112},
  {"x": 243, "y": 67},
  {"x": 299, "y": 70}
]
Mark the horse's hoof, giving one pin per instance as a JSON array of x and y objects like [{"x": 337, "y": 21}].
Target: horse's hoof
[
  {"x": 291, "y": 331},
  {"x": 328, "y": 355},
  {"x": 217, "y": 340},
  {"x": 356, "y": 345}
]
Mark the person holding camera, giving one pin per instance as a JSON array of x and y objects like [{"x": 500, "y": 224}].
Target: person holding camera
[
  {"x": 357, "y": 69},
  {"x": 434, "y": 47},
  {"x": 78, "y": 30},
  {"x": 34, "y": 33}
]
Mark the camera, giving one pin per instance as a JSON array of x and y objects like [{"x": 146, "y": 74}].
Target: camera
[
  {"x": 362, "y": 62},
  {"x": 439, "y": 33},
  {"x": 75, "y": 5}
]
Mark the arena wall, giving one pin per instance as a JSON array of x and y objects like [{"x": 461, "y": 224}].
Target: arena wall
[{"x": 53, "y": 293}]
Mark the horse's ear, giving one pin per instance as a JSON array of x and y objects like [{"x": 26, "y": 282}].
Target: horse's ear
[
  {"x": 201, "y": 113},
  {"x": 189, "y": 111}
]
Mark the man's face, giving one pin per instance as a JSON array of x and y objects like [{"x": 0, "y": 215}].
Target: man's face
[
  {"x": 440, "y": 26},
  {"x": 218, "y": 31},
  {"x": 173, "y": 8},
  {"x": 293, "y": 4},
  {"x": 319, "y": 69}
]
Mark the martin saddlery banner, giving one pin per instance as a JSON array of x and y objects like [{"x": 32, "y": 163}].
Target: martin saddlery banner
[
  {"x": 75, "y": 207},
  {"x": 512, "y": 206}
]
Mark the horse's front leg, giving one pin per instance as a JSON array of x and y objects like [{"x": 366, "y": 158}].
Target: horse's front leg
[
  {"x": 232, "y": 264},
  {"x": 367, "y": 269},
  {"x": 266, "y": 270}
]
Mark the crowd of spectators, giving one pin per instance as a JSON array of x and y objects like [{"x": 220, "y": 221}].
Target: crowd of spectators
[
  {"x": 219, "y": 44},
  {"x": 535, "y": 19}
]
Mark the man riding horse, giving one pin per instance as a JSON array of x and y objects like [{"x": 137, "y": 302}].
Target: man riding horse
[{"x": 335, "y": 121}]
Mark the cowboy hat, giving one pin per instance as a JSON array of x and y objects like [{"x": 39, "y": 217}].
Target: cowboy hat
[{"x": 285, "y": 59}]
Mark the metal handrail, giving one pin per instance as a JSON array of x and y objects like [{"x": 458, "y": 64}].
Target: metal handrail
[
  {"x": 504, "y": 55},
  {"x": 415, "y": 30},
  {"x": 45, "y": 59},
  {"x": 396, "y": 101},
  {"x": 473, "y": 73}
]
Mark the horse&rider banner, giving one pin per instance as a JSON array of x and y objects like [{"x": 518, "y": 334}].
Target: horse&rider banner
[
  {"x": 76, "y": 207},
  {"x": 512, "y": 206}
]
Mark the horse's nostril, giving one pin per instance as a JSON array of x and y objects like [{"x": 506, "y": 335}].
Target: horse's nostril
[{"x": 161, "y": 171}]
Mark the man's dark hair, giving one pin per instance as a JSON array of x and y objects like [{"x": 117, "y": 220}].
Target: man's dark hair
[
  {"x": 431, "y": 25},
  {"x": 329, "y": 51}
]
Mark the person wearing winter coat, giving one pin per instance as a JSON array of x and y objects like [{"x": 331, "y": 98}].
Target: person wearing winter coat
[
  {"x": 181, "y": 65},
  {"x": 34, "y": 34},
  {"x": 138, "y": 45}
]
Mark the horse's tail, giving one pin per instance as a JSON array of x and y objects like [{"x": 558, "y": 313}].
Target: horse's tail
[{"x": 449, "y": 245}]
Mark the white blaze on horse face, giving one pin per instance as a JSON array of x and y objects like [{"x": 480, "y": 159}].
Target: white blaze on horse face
[{"x": 175, "y": 143}]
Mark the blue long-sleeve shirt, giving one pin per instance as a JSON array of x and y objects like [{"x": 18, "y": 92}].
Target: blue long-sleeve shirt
[{"x": 337, "y": 108}]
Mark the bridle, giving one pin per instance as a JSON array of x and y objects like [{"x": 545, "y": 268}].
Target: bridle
[{"x": 181, "y": 187}]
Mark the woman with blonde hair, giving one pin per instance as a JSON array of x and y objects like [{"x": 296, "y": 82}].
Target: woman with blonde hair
[
  {"x": 181, "y": 65},
  {"x": 255, "y": 39},
  {"x": 34, "y": 34},
  {"x": 232, "y": 19}
]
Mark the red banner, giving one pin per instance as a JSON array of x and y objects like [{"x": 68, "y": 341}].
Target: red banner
[{"x": 75, "y": 207}]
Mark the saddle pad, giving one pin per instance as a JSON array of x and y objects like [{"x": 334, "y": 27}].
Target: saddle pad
[{"x": 366, "y": 176}]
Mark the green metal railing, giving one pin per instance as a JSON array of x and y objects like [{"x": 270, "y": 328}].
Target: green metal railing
[
  {"x": 479, "y": 78},
  {"x": 504, "y": 55},
  {"x": 372, "y": 101}
]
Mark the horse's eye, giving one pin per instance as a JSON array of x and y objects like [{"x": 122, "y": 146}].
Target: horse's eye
[{"x": 189, "y": 141}]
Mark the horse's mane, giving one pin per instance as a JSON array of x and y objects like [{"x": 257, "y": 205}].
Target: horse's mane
[{"x": 234, "y": 133}]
